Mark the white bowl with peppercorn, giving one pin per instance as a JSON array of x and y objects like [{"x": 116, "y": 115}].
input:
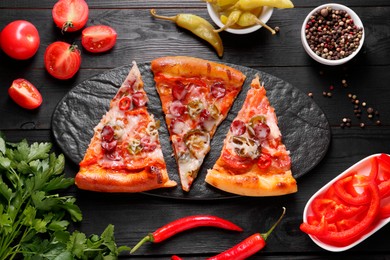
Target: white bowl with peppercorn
[{"x": 332, "y": 34}]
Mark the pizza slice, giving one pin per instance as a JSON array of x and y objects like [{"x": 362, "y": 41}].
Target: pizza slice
[
  {"x": 254, "y": 161},
  {"x": 196, "y": 96},
  {"x": 124, "y": 154}
]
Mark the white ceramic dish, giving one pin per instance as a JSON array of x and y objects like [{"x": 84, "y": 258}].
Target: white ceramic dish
[
  {"x": 319, "y": 59},
  {"x": 363, "y": 167},
  {"x": 264, "y": 16}
]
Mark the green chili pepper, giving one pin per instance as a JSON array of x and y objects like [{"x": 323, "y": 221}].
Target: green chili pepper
[
  {"x": 248, "y": 19},
  {"x": 198, "y": 26},
  {"x": 232, "y": 19}
]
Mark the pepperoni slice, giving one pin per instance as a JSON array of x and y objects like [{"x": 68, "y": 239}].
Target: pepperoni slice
[
  {"x": 139, "y": 99},
  {"x": 218, "y": 90},
  {"x": 179, "y": 91},
  {"x": 147, "y": 144},
  {"x": 107, "y": 133},
  {"x": 237, "y": 163},
  {"x": 261, "y": 130},
  {"x": 109, "y": 147},
  {"x": 177, "y": 108},
  {"x": 238, "y": 128}
]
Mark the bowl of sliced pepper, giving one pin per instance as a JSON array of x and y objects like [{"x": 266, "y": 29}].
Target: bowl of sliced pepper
[
  {"x": 351, "y": 207},
  {"x": 244, "y": 16}
]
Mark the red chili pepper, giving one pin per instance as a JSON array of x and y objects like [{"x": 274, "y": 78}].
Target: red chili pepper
[
  {"x": 248, "y": 246},
  {"x": 183, "y": 224},
  {"x": 175, "y": 257}
]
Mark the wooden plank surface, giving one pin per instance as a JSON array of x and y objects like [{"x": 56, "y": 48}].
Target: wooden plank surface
[{"x": 142, "y": 38}]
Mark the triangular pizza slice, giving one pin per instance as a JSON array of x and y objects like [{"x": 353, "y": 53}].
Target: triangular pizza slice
[
  {"x": 196, "y": 96},
  {"x": 254, "y": 161},
  {"x": 124, "y": 154}
]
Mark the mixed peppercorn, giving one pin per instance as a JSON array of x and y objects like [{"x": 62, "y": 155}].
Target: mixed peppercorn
[{"x": 332, "y": 34}]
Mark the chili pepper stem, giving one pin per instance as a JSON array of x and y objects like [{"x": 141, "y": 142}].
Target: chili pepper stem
[
  {"x": 168, "y": 18},
  {"x": 265, "y": 235},
  {"x": 260, "y": 22},
  {"x": 148, "y": 238}
]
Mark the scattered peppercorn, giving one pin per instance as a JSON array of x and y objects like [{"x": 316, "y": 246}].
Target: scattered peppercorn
[
  {"x": 310, "y": 94},
  {"x": 378, "y": 122},
  {"x": 370, "y": 110},
  {"x": 277, "y": 29},
  {"x": 362, "y": 125},
  {"x": 332, "y": 34}
]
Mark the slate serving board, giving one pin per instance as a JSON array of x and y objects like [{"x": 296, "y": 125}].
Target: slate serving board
[{"x": 305, "y": 129}]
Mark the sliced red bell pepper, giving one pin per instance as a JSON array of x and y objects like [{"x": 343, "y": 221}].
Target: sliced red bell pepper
[
  {"x": 384, "y": 212},
  {"x": 344, "y": 187},
  {"x": 315, "y": 229},
  {"x": 384, "y": 167},
  {"x": 334, "y": 211},
  {"x": 384, "y": 188},
  {"x": 362, "y": 226}
]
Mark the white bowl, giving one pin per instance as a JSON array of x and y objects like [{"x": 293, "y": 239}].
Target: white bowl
[
  {"x": 363, "y": 167},
  {"x": 264, "y": 16},
  {"x": 319, "y": 59}
]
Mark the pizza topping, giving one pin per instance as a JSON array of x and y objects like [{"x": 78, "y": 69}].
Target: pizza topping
[
  {"x": 157, "y": 171},
  {"x": 261, "y": 131},
  {"x": 235, "y": 162},
  {"x": 152, "y": 127},
  {"x": 179, "y": 90},
  {"x": 206, "y": 120},
  {"x": 257, "y": 119},
  {"x": 238, "y": 127},
  {"x": 139, "y": 99},
  {"x": 107, "y": 133},
  {"x": 218, "y": 90},
  {"x": 109, "y": 146},
  {"x": 134, "y": 147},
  {"x": 264, "y": 161},
  {"x": 195, "y": 107},
  {"x": 245, "y": 147},
  {"x": 124, "y": 103},
  {"x": 178, "y": 126},
  {"x": 198, "y": 142},
  {"x": 113, "y": 156},
  {"x": 177, "y": 108},
  {"x": 147, "y": 145}
]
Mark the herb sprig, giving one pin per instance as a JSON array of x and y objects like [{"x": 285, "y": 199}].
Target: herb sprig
[{"x": 34, "y": 217}]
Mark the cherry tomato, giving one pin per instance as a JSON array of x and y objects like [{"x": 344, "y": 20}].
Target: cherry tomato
[
  {"x": 98, "y": 38},
  {"x": 70, "y": 15},
  {"x": 62, "y": 60},
  {"x": 25, "y": 94},
  {"x": 20, "y": 40}
]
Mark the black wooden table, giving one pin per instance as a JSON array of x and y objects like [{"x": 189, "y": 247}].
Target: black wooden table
[{"x": 142, "y": 39}]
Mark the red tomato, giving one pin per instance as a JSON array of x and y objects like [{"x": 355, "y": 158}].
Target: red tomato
[
  {"x": 70, "y": 15},
  {"x": 62, "y": 60},
  {"x": 25, "y": 94},
  {"x": 20, "y": 40},
  {"x": 98, "y": 38}
]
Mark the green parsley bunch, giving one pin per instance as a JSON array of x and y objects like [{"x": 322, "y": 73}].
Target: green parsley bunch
[{"x": 34, "y": 217}]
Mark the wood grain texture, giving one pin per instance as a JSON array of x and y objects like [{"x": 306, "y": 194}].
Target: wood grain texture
[{"x": 142, "y": 38}]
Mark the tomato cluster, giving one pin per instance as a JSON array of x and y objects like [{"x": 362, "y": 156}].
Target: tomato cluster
[
  {"x": 20, "y": 40},
  {"x": 352, "y": 205}
]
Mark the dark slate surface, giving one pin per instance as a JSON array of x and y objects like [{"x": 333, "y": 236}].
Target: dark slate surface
[{"x": 304, "y": 126}]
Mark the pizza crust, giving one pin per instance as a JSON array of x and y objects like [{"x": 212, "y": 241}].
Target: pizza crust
[
  {"x": 252, "y": 184},
  {"x": 183, "y": 66},
  {"x": 104, "y": 180}
]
